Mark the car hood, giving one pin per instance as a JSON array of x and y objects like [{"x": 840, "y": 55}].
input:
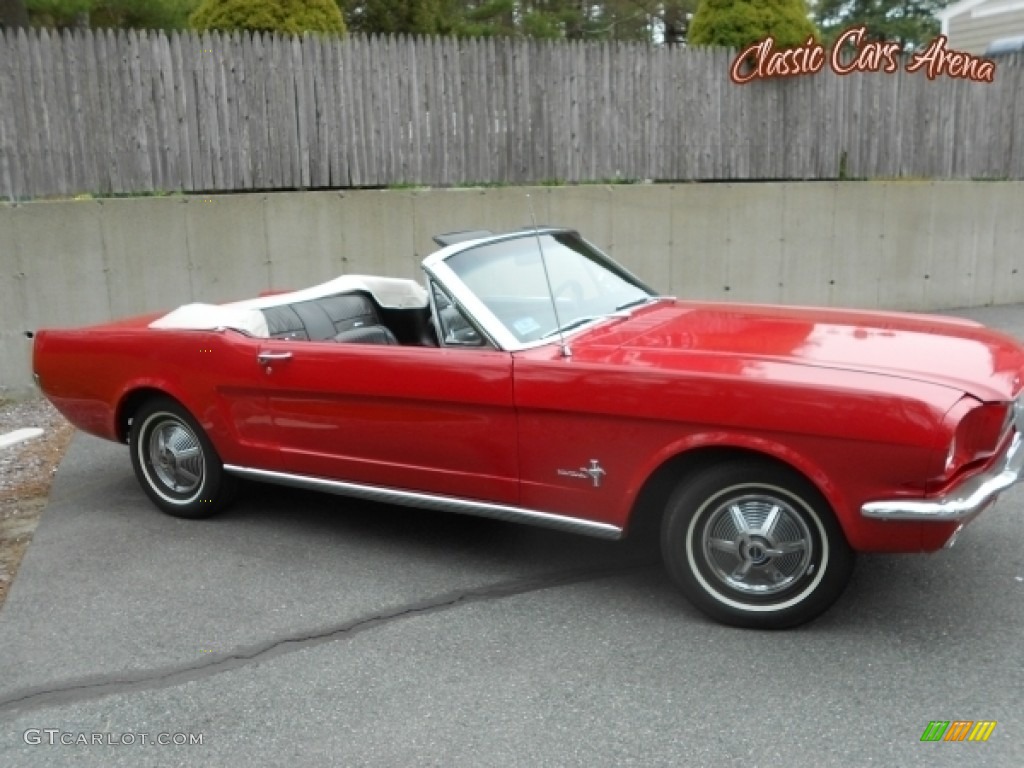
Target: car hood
[{"x": 959, "y": 354}]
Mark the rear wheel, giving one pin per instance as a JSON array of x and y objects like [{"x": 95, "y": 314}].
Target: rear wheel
[
  {"x": 755, "y": 545},
  {"x": 175, "y": 462}
]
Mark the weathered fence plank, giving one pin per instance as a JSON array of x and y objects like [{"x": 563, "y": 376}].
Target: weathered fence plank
[
  {"x": 7, "y": 131},
  {"x": 348, "y": 91},
  {"x": 1014, "y": 168},
  {"x": 11, "y": 167},
  {"x": 206, "y": 110},
  {"x": 255, "y": 111},
  {"x": 320, "y": 165}
]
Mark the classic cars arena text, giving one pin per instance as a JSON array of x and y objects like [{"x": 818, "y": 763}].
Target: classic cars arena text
[{"x": 853, "y": 53}]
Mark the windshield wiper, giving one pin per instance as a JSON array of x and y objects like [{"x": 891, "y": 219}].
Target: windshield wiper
[
  {"x": 590, "y": 318},
  {"x": 635, "y": 303},
  {"x": 574, "y": 324},
  {"x": 619, "y": 312}
]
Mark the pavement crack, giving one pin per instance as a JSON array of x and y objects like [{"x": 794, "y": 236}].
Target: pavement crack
[{"x": 107, "y": 685}]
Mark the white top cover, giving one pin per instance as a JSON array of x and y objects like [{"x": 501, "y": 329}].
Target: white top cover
[
  {"x": 390, "y": 292},
  {"x": 206, "y": 317}
]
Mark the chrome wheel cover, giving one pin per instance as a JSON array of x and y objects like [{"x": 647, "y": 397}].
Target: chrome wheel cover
[
  {"x": 757, "y": 544},
  {"x": 174, "y": 457}
]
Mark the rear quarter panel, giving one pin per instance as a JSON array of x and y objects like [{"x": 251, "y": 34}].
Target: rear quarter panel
[{"x": 87, "y": 373}]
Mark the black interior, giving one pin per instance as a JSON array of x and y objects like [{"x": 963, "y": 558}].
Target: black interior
[
  {"x": 410, "y": 326},
  {"x": 351, "y": 318}
]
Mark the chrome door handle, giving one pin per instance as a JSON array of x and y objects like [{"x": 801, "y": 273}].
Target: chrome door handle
[{"x": 266, "y": 358}]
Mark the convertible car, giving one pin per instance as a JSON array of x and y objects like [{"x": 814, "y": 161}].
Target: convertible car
[{"x": 533, "y": 379}]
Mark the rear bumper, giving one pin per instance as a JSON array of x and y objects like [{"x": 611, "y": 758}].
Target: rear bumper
[{"x": 965, "y": 500}]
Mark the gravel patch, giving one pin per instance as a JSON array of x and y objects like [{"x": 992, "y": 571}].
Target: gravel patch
[{"x": 26, "y": 470}]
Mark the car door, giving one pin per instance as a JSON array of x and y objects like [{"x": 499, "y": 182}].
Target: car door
[{"x": 431, "y": 419}]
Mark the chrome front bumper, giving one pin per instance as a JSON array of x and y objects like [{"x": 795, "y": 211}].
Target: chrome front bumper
[{"x": 964, "y": 501}]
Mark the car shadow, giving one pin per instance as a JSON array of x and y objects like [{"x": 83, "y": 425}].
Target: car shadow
[
  {"x": 921, "y": 599},
  {"x": 430, "y": 533}
]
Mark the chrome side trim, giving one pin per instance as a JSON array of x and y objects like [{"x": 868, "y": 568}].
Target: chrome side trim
[
  {"x": 966, "y": 500},
  {"x": 431, "y": 501}
]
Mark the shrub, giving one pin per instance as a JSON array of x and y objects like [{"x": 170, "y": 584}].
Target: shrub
[
  {"x": 739, "y": 23},
  {"x": 289, "y": 16}
]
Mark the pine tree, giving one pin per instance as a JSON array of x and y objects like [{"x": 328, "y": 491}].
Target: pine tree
[{"x": 911, "y": 23}]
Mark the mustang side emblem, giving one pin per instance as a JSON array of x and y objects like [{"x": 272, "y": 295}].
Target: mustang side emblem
[{"x": 595, "y": 472}]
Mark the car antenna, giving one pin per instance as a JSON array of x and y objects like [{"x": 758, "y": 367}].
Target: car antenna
[{"x": 566, "y": 350}]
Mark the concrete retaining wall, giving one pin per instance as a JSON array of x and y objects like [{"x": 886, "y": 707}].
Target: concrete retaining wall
[{"x": 900, "y": 244}]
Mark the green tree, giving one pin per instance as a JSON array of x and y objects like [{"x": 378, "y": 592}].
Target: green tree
[
  {"x": 547, "y": 19},
  {"x": 289, "y": 16},
  {"x": 13, "y": 13},
  {"x": 739, "y": 23},
  {"x": 912, "y": 23},
  {"x": 137, "y": 14},
  {"x": 652, "y": 21},
  {"x": 674, "y": 16},
  {"x": 415, "y": 17},
  {"x": 642, "y": 20}
]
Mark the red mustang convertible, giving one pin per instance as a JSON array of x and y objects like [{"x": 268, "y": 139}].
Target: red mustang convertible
[{"x": 535, "y": 380}]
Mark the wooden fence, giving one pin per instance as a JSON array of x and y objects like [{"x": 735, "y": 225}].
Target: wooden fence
[{"x": 106, "y": 112}]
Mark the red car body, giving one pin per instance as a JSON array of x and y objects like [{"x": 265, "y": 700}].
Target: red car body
[{"x": 884, "y": 408}]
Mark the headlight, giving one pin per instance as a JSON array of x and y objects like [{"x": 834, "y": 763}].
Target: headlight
[{"x": 980, "y": 429}]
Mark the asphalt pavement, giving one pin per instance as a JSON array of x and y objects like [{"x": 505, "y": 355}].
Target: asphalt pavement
[{"x": 299, "y": 629}]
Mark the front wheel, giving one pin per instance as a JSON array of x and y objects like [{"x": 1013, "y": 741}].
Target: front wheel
[
  {"x": 755, "y": 545},
  {"x": 175, "y": 462}
]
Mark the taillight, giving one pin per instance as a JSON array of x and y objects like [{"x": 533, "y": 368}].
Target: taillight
[{"x": 979, "y": 432}]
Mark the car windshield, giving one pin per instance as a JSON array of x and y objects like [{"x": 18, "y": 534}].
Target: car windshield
[{"x": 508, "y": 277}]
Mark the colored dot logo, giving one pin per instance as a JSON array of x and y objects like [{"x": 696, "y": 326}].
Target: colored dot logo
[{"x": 958, "y": 730}]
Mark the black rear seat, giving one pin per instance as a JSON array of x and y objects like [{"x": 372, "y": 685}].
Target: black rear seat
[{"x": 349, "y": 317}]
